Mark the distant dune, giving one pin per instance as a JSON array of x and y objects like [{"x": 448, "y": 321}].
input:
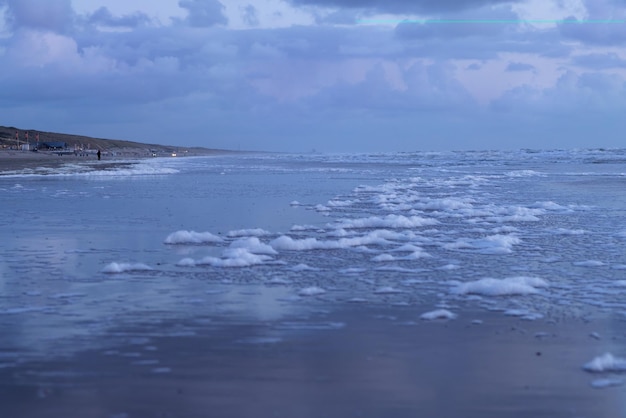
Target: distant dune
[{"x": 113, "y": 146}]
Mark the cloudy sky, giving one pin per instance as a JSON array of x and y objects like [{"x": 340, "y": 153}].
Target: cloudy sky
[{"x": 330, "y": 75}]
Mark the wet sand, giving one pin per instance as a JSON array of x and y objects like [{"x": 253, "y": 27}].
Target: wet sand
[
  {"x": 359, "y": 362},
  {"x": 17, "y": 161}
]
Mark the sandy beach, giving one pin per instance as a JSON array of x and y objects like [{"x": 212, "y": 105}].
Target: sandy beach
[
  {"x": 366, "y": 362},
  {"x": 304, "y": 286},
  {"x": 11, "y": 161}
]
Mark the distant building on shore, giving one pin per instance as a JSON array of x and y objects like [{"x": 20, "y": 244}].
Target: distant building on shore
[{"x": 52, "y": 145}]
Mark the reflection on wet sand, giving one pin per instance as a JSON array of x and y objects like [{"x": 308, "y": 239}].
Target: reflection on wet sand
[{"x": 363, "y": 362}]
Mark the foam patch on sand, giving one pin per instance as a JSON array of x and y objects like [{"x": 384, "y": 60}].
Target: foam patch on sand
[
  {"x": 437, "y": 314},
  {"x": 520, "y": 285},
  {"x": 606, "y": 383},
  {"x": 311, "y": 291},
  {"x": 389, "y": 221},
  {"x": 116, "y": 268},
  {"x": 606, "y": 363},
  {"x": 192, "y": 237},
  {"x": 231, "y": 257},
  {"x": 253, "y": 245},
  {"x": 254, "y": 232},
  {"x": 492, "y": 244}
]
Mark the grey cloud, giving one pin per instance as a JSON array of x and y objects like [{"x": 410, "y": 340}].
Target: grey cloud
[
  {"x": 250, "y": 16},
  {"x": 429, "y": 87},
  {"x": 327, "y": 42},
  {"x": 404, "y": 6},
  {"x": 103, "y": 16},
  {"x": 51, "y": 15},
  {"x": 599, "y": 61},
  {"x": 481, "y": 22},
  {"x": 519, "y": 66},
  {"x": 594, "y": 33},
  {"x": 598, "y": 29},
  {"x": 204, "y": 13},
  {"x": 587, "y": 92}
]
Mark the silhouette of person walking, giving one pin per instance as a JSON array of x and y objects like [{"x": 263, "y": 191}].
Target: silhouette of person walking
[{"x": 98, "y": 154}]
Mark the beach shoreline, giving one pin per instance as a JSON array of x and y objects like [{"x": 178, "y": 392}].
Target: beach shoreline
[
  {"x": 294, "y": 286},
  {"x": 14, "y": 161}
]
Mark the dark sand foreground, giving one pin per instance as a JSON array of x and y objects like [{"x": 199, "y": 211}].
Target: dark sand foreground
[
  {"x": 363, "y": 362},
  {"x": 15, "y": 161}
]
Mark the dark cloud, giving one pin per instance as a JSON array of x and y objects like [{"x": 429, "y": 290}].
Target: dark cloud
[
  {"x": 104, "y": 17},
  {"x": 584, "y": 93},
  {"x": 427, "y": 87},
  {"x": 599, "y": 61},
  {"x": 494, "y": 23},
  {"x": 51, "y": 15},
  {"x": 486, "y": 47},
  {"x": 594, "y": 33},
  {"x": 204, "y": 13},
  {"x": 250, "y": 15},
  {"x": 519, "y": 66},
  {"x": 604, "y": 25},
  {"x": 404, "y": 6}
]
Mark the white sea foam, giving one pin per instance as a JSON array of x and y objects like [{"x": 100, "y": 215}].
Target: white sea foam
[
  {"x": 285, "y": 242},
  {"x": 387, "y": 290},
  {"x": 186, "y": 262},
  {"x": 299, "y": 228},
  {"x": 303, "y": 267},
  {"x": 606, "y": 363},
  {"x": 277, "y": 281},
  {"x": 565, "y": 231},
  {"x": 448, "y": 204},
  {"x": 551, "y": 206},
  {"x": 253, "y": 245},
  {"x": 310, "y": 326},
  {"x": 389, "y": 221},
  {"x": 605, "y": 383},
  {"x": 450, "y": 267},
  {"x": 311, "y": 291},
  {"x": 525, "y": 173},
  {"x": 589, "y": 263},
  {"x": 115, "y": 268},
  {"x": 515, "y": 214},
  {"x": 438, "y": 314},
  {"x": 234, "y": 257},
  {"x": 254, "y": 232},
  {"x": 493, "y": 244},
  {"x": 339, "y": 203},
  {"x": 383, "y": 257},
  {"x": 500, "y": 287},
  {"x": 523, "y": 314},
  {"x": 192, "y": 237}
]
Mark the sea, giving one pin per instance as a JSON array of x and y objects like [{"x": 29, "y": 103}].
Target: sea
[{"x": 280, "y": 242}]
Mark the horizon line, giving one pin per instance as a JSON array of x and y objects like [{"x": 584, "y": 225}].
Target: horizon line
[{"x": 502, "y": 21}]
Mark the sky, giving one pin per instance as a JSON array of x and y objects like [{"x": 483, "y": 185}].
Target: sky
[{"x": 324, "y": 75}]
